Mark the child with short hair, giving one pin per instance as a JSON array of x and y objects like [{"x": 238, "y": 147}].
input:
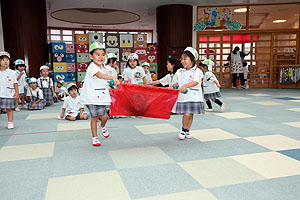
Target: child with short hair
[
  {"x": 111, "y": 62},
  {"x": 211, "y": 89},
  {"x": 21, "y": 78},
  {"x": 95, "y": 93},
  {"x": 47, "y": 86},
  {"x": 62, "y": 90},
  {"x": 190, "y": 99},
  {"x": 9, "y": 91},
  {"x": 72, "y": 109},
  {"x": 36, "y": 96},
  {"x": 133, "y": 72},
  {"x": 146, "y": 67}
]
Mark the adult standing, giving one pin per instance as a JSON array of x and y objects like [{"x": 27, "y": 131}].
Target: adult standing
[{"x": 236, "y": 66}]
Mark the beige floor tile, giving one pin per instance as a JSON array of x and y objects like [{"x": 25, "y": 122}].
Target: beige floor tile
[
  {"x": 297, "y": 101},
  {"x": 234, "y": 115},
  {"x": 28, "y": 151},
  {"x": 270, "y": 164},
  {"x": 219, "y": 172},
  {"x": 157, "y": 128},
  {"x": 190, "y": 195},
  {"x": 260, "y": 95},
  {"x": 42, "y": 116},
  {"x": 275, "y": 142},
  {"x": 294, "y": 109},
  {"x": 139, "y": 157},
  {"x": 73, "y": 126},
  {"x": 294, "y": 124},
  {"x": 296, "y": 97},
  {"x": 268, "y": 103},
  {"x": 94, "y": 186},
  {"x": 212, "y": 134}
]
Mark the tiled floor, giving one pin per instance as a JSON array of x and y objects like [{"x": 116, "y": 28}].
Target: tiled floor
[{"x": 249, "y": 152}]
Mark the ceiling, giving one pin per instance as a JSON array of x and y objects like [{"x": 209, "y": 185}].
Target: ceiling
[{"x": 145, "y": 9}]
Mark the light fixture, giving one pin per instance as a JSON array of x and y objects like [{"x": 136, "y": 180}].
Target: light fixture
[
  {"x": 240, "y": 10},
  {"x": 279, "y": 21},
  {"x": 218, "y": 30}
]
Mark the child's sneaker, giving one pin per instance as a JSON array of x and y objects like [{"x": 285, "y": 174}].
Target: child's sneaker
[
  {"x": 10, "y": 125},
  {"x": 95, "y": 141},
  {"x": 223, "y": 107},
  {"x": 209, "y": 109},
  {"x": 188, "y": 135},
  {"x": 181, "y": 135},
  {"x": 17, "y": 109},
  {"x": 105, "y": 132}
]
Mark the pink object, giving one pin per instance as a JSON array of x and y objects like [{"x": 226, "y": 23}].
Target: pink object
[
  {"x": 71, "y": 67},
  {"x": 70, "y": 48}
]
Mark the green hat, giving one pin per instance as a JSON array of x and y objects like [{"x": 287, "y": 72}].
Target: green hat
[
  {"x": 193, "y": 52},
  {"x": 61, "y": 82},
  {"x": 70, "y": 85},
  {"x": 96, "y": 45},
  {"x": 145, "y": 64}
]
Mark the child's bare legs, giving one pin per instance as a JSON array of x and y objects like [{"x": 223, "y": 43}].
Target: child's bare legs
[
  {"x": 22, "y": 101},
  {"x": 94, "y": 121},
  {"x": 187, "y": 120},
  {"x": 10, "y": 114}
]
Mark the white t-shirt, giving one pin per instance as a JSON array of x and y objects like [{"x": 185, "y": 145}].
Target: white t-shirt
[
  {"x": 22, "y": 81},
  {"x": 95, "y": 90},
  {"x": 72, "y": 106},
  {"x": 45, "y": 82},
  {"x": 135, "y": 76},
  {"x": 168, "y": 79},
  {"x": 62, "y": 90},
  {"x": 7, "y": 80},
  {"x": 33, "y": 93},
  {"x": 184, "y": 76},
  {"x": 111, "y": 71},
  {"x": 148, "y": 77},
  {"x": 209, "y": 86}
]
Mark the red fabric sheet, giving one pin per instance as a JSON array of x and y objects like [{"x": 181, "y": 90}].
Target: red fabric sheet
[{"x": 140, "y": 100}]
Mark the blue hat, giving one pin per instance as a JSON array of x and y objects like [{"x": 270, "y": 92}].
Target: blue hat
[
  {"x": 32, "y": 80},
  {"x": 19, "y": 62}
]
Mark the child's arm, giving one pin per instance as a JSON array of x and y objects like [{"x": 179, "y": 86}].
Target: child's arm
[
  {"x": 20, "y": 75},
  {"x": 144, "y": 80},
  {"x": 16, "y": 90},
  {"x": 107, "y": 77},
  {"x": 154, "y": 82},
  {"x": 217, "y": 83},
  {"x": 53, "y": 92},
  {"x": 81, "y": 113},
  {"x": 188, "y": 85},
  {"x": 63, "y": 113},
  {"x": 37, "y": 101}
]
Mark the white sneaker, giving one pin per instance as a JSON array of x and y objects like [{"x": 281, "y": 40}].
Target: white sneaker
[
  {"x": 105, "y": 132},
  {"x": 17, "y": 109},
  {"x": 181, "y": 135},
  {"x": 58, "y": 117},
  {"x": 188, "y": 135},
  {"x": 244, "y": 87},
  {"x": 10, "y": 125},
  {"x": 209, "y": 109},
  {"x": 95, "y": 141},
  {"x": 223, "y": 107}
]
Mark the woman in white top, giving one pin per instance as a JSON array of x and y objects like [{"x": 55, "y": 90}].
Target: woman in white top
[
  {"x": 133, "y": 72},
  {"x": 190, "y": 99},
  {"x": 211, "y": 88},
  {"x": 21, "y": 78}
]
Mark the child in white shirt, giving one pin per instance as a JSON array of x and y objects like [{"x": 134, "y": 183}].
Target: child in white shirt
[
  {"x": 46, "y": 84},
  {"x": 146, "y": 67},
  {"x": 36, "y": 96},
  {"x": 21, "y": 78},
  {"x": 133, "y": 72},
  {"x": 62, "y": 92},
  {"x": 72, "y": 108}
]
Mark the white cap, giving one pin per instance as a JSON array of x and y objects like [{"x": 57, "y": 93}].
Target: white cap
[
  {"x": 133, "y": 56},
  {"x": 111, "y": 55},
  {"x": 44, "y": 67},
  {"x": 192, "y": 51}
]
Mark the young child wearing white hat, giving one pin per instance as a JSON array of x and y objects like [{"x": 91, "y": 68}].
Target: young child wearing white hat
[
  {"x": 36, "y": 96},
  {"x": 46, "y": 84},
  {"x": 133, "y": 72},
  {"x": 146, "y": 67}
]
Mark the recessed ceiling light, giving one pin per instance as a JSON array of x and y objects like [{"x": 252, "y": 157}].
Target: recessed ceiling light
[
  {"x": 279, "y": 21},
  {"x": 240, "y": 10},
  {"x": 218, "y": 30}
]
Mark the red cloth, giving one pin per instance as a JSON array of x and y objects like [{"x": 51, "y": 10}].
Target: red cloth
[{"x": 141, "y": 100}]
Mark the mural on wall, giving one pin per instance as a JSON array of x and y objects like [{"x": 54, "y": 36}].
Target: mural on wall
[{"x": 217, "y": 17}]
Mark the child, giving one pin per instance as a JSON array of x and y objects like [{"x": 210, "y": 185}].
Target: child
[
  {"x": 21, "y": 78},
  {"x": 9, "y": 91},
  {"x": 46, "y": 84},
  {"x": 111, "y": 62},
  {"x": 189, "y": 78},
  {"x": 211, "y": 89},
  {"x": 146, "y": 67},
  {"x": 35, "y": 94},
  {"x": 63, "y": 92},
  {"x": 172, "y": 67},
  {"x": 95, "y": 92},
  {"x": 72, "y": 108},
  {"x": 133, "y": 72}
]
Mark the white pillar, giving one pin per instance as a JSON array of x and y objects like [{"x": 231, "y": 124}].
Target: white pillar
[
  {"x": 194, "y": 22},
  {"x": 1, "y": 33}
]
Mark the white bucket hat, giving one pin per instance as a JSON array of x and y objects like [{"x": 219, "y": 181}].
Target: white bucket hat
[{"x": 193, "y": 52}]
